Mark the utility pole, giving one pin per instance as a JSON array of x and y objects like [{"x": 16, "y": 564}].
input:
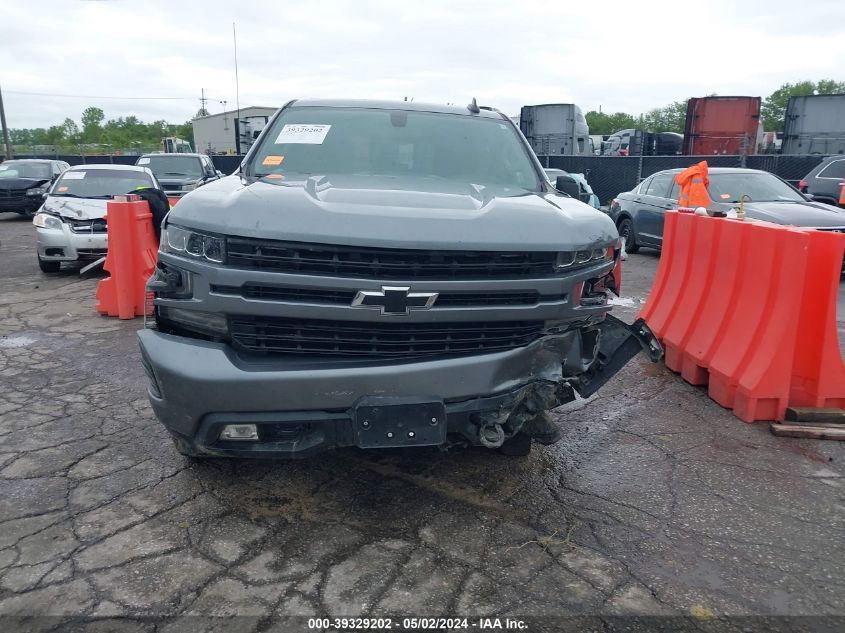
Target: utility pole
[
  {"x": 203, "y": 110},
  {"x": 6, "y": 141},
  {"x": 237, "y": 93}
]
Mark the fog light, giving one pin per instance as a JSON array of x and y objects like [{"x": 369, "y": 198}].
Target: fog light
[{"x": 239, "y": 432}]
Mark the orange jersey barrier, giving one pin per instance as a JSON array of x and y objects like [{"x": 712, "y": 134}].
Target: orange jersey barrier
[
  {"x": 131, "y": 259},
  {"x": 748, "y": 308},
  {"x": 173, "y": 201}
]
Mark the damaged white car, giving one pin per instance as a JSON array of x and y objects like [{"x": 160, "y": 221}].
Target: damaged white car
[{"x": 71, "y": 224}]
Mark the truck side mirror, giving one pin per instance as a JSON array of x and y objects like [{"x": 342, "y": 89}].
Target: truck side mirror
[{"x": 568, "y": 185}]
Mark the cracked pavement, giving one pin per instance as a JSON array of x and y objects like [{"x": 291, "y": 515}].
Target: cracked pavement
[{"x": 657, "y": 503}]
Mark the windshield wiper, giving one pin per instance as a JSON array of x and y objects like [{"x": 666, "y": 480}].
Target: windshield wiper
[
  {"x": 67, "y": 195},
  {"x": 174, "y": 173}
]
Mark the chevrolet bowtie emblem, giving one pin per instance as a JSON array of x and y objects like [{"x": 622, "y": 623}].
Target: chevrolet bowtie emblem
[{"x": 394, "y": 299}]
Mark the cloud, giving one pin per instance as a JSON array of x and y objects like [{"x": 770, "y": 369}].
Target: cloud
[{"x": 622, "y": 55}]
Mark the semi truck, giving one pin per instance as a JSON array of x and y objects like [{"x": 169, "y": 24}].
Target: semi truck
[
  {"x": 814, "y": 124},
  {"x": 722, "y": 125},
  {"x": 639, "y": 143},
  {"x": 556, "y": 129}
]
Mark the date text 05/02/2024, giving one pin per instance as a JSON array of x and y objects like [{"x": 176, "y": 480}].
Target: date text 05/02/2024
[{"x": 416, "y": 624}]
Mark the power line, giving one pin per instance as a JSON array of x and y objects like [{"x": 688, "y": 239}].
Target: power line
[{"x": 52, "y": 94}]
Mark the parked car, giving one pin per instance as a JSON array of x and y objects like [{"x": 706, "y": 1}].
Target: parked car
[
  {"x": 23, "y": 183},
  {"x": 638, "y": 214},
  {"x": 180, "y": 173},
  {"x": 824, "y": 182},
  {"x": 381, "y": 275},
  {"x": 586, "y": 191},
  {"x": 71, "y": 224}
]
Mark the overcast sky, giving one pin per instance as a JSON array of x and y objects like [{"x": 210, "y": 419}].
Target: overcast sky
[{"x": 618, "y": 54}]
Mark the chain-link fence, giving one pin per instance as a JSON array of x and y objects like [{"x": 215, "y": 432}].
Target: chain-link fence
[
  {"x": 611, "y": 175},
  {"x": 607, "y": 175},
  {"x": 226, "y": 164}
]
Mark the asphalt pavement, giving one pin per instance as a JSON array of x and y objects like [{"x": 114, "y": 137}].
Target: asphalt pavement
[{"x": 658, "y": 503}]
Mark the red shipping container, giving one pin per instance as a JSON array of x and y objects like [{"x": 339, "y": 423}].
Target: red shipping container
[{"x": 722, "y": 125}]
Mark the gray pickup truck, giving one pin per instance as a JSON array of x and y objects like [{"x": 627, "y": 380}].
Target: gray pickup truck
[{"x": 381, "y": 275}]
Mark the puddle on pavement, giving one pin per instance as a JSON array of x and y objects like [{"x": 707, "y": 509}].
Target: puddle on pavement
[{"x": 9, "y": 342}]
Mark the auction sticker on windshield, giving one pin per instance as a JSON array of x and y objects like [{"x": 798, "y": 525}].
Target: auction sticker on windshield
[
  {"x": 144, "y": 161},
  {"x": 304, "y": 133},
  {"x": 74, "y": 175}
]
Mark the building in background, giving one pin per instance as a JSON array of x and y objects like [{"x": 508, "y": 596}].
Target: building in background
[{"x": 226, "y": 133}]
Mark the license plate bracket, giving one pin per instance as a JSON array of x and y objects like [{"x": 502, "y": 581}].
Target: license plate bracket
[{"x": 397, "y": 422}]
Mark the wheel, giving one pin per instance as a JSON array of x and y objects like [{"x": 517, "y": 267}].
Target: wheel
[
  {"x": 48, "y": 267},
  {"x": 626, "y": 231},
  {"x": 517, "y": 446},
  {"x": 184, "y": 448}
]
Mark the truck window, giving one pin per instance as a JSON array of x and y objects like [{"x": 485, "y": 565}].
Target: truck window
[{"x": 311, "y": 141}]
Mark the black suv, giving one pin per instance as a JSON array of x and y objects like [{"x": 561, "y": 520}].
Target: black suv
[
  {"x": 180, "y": 173},
  {"x": 23, "y": 183},
  {"x": 825, "y": 181}
]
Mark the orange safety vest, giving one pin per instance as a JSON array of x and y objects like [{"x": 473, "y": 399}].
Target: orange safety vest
[
  {"x": 842, "y": 195},
  {"x": 694, "y": 182}
]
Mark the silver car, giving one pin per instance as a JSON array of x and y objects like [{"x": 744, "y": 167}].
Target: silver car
[{"x": 71, "y": 224}]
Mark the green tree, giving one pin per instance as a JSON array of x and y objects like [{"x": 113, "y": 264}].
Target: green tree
[
  {"x": 92, "y": 120},
  {"x": 669, "y": 118},
  {"x": 603, "y": 123},
  {"x": 773, "y": 111}
]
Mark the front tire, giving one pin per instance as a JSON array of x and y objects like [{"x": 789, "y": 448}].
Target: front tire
[
  {"x": 626, "y": 231},
  {"x": 49, "y": 267}
]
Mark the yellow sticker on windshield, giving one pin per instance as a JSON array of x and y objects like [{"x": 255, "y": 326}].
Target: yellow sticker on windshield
[
  {"x": 62, "y": 189},
  {"x": 274, "y": 177},
  {"x": 273, "y": 160}
]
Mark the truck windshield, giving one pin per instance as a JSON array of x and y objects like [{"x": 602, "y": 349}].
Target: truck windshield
[
  {"x": 760, "y": 187},
  {"x": 14, "y": 169},
  {"x": 100, "y": 183},
  {"x": 371, "y": 142},
  {"x": 172, "y": 165}
]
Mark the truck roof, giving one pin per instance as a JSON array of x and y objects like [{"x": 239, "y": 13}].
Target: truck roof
[{"x": 414, "y": 106}]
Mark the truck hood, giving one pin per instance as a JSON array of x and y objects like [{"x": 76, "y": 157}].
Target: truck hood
[
  {"x": 812, "y": 214},
  {"x": 21, "y": 183},
  {"x": 393, "y": 212},
  {"x": 76, "y": 208}
]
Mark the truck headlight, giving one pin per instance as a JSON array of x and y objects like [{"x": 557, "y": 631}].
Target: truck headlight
[
  {"x": 47, "y": 221},
  {"x": 570, "y": 259},
  {"x": 189, "y": 187},
  {"x": 38, "y": 191},
  {"x": 186, "y": 242}
]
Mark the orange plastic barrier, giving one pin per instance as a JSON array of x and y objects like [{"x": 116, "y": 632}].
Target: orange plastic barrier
[
  {"x": 748, "y": 308},
  {"x": 173, "y": 201},
  {"x": 131, "y": 258}
]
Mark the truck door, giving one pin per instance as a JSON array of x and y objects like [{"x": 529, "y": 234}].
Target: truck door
[{"x": 652, "y": 204}]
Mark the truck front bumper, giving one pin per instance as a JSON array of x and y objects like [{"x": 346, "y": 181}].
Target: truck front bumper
[{"x": 301, "y": 407}]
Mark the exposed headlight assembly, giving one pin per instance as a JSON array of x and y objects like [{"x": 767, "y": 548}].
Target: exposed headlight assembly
[
  {"x": 573, "y": 259},
  {"x": 47, "y": 221},
  {"x": 189, "y": 243},
  {"x": 38, "y": 191}
]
